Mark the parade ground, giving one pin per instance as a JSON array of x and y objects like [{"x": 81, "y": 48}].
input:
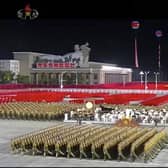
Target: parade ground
[{"x": 14, "y": 128}]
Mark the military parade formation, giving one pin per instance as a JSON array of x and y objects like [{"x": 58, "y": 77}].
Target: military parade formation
[
  {"x": 93, "y": 141},
  {"x": 106, "y": 113},
  {"x": 35, "y": 111},
  {"x": 85, "y": 109}
]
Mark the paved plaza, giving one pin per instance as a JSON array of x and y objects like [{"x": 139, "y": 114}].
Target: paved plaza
[{"x": 13, "y": 128}]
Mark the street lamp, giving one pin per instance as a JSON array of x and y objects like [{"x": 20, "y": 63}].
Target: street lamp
[
  {"x": 141, "y": 74},
  {"x": 61, "y": 80},
  {"x": 146, "y": 79},
  {"x": 156, "y": 79}
]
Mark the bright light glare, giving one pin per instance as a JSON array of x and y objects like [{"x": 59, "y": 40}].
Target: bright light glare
[{"x": 110, "y": 68}]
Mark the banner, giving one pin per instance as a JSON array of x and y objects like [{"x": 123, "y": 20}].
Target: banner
[{"x": 54, "y": 65}]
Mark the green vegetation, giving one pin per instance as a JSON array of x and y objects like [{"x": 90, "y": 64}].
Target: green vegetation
[
  {"x": 6, "y": 76},
  {"x": 23, "y": 79}
]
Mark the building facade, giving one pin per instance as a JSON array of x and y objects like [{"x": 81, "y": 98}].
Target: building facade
[
  {"x": 71, "y": 68},
  {"x": 10, "y": 65}
]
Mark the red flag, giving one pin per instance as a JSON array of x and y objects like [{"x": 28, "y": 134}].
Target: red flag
[
  {"x": 135, "y": 24},
  {"x": 136, "y": 55}
]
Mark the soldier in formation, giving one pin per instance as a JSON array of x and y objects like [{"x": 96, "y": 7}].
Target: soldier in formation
[{"x": 92, "y": 141}]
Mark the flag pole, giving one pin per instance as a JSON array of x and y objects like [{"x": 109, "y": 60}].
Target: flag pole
[
  {"x": 135, "y": 25},
  {"x": 158, "y": 34},
  {"x": 159, "y": 55},
  {"x": 136, "y": 52}
]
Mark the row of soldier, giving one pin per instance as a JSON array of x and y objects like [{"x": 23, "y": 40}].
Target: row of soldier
[
  {"x": 49, "y": 111},
  {"x": 91, "y": 141},
  {"x": 35, "y": 111}
]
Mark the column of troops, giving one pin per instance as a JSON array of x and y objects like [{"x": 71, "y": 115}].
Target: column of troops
[
  {"x": 35, "y": 111},
  {"x": 56, "y": 111},
  {"x": 93, "y": 141}
]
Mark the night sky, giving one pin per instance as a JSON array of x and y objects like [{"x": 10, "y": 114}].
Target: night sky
[{"x": 108, "y": 32}]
